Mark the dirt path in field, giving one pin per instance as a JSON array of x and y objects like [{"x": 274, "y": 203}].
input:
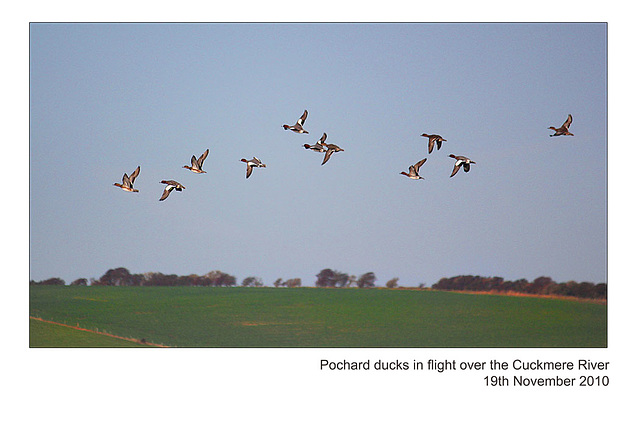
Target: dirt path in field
[{"x": 99, "y": 333}]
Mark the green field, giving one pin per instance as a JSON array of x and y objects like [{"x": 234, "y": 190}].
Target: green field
[
  {"x": 312, "y": 317},
  {"x": 42, "y": 334}
]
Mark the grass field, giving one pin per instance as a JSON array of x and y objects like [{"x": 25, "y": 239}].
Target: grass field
[
  {"x": 312, "y": 317},
  {"x": 42, "y": 334}
]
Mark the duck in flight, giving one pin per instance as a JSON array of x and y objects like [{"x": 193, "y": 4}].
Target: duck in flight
[
  {"x": 331, "y": 148},
  {"x": 318, "y": 146},
  {"x": 298, "y": 126},
  {"x": 564, "y": 129},
  {"x": 196, "y": 164},
  {"x": 127, "y": 181},
  {"x": 253, "y": 163},
  {"x": 414, "y": 170},
  {"x": 433, "y": 139},
  {"x": 460, "y": 161},
  {"x": 171, "y": 185}
]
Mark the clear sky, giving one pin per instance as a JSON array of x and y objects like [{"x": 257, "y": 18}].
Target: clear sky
[{"x": 105, "y": 98}]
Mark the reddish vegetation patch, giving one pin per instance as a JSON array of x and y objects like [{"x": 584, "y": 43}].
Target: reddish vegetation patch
[
  {"x": 522, "y": 294},
  {"x": 142, "y": 341}
]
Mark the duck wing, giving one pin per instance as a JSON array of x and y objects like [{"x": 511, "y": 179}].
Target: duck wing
[
  {"x": 201, "y": 158},
  {"x": 327, "y": 155},
  {"x": 419, "y": 164},
  {"x": 166, "y": 192},
  {"x": 134, "y": 174},
  {"x": 249, "y": 170},
  {"x": 567, "y": 123},
  {"x": 194, "y": 162},
  {"x": 303, "y": 118},
  {"x": 455, "y": 168},
  {"x": 126, "y": 181}
]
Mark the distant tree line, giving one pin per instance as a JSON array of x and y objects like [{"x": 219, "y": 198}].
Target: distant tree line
[
  {"x": 540, "y": 286},
  {"x": 328, "y": 278},
  {"x": 289, "y": 283},
  {"x": 122, "y": 277},
  {"x": 50, "y": 282}
]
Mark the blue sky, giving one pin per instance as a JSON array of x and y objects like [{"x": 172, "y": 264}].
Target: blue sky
[{"x": 105, "y": 98}]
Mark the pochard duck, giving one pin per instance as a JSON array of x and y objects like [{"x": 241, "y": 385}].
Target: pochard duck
[
  {"x": 318, "y": 146},
  {"x": 433, "y": 139},
  {"x": 463, "y": 161},
  {"x": 414, "y": 170},
  {"x": 196, "y": 164},
  {"x": 253, "y": 163},
  {"x": 564, "y": 129},
  {"x": 127, "y": 181},
  {"x": 298, "y": 126},
  {"x": 331, "y": 148},
  {"x": 171, "y": 185}
]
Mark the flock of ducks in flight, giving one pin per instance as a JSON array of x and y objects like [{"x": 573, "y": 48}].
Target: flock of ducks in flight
[{"x": 321, "y": 147}]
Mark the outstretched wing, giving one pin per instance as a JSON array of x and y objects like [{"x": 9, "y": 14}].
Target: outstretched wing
[
  {"x": 126, "y": 181},
  {"x": 419, "y": 164},
  {"x": 201, "y": 158},
  {"x": 166, "y": 192},
  {"x": 567, "y": 123},
  {"x": 249, "y": 170},
  {"x": 135, "y": 174},
  {"x": 327, "y": 154},
  {"x": 303, "y": 118},
  {"x": 455, "y": 168}
]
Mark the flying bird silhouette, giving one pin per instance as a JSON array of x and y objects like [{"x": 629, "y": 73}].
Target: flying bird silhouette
[
  {"x": 253, "y": 163},
  {"x": 127, "y": 181},
  {"x": 298, "y": 126},
  {"x": 171, "y": 185},
  {"x": 433, "y": 139},
  {"x": 564, "y": 129},
  {"x": 196, "y": 164},
  {"x": 414, "y": 170},
  {"x": 318, "y": 146},
  {"x": 460, "y": 161}
]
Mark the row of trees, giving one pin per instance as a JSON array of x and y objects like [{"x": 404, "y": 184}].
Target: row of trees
[
  {"x": 122, "y": 277},
  {"x": 541, "y": 286},
  {"x": 328, "y": 278}
]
